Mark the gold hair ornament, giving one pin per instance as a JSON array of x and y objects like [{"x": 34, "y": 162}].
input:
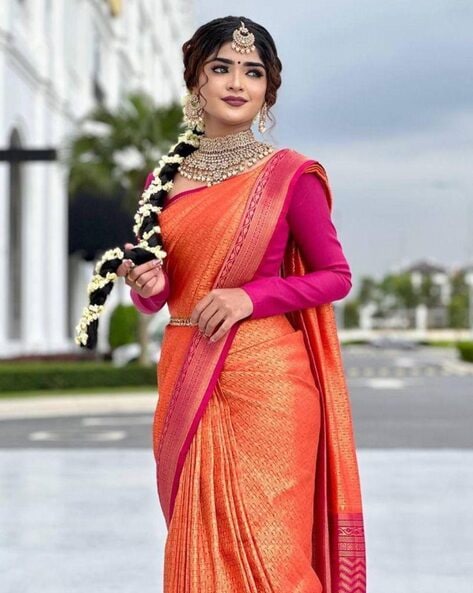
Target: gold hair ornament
[{"x": 243, "y": 40}]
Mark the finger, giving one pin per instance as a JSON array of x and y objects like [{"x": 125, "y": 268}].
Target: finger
[
  {"x": 147, "y": 281},
  {"x": 207, "y": 317},
  {"x": 214, "y": 322},
  {"x": 124, "y": 267},
  {"x": 222, "y": 330},
  {"x": 154, "y": 264},
  {"x": 149, "y": 287},
  {"x": 199, "y": 308},
  {"x": 131, "y": 274},
  {"x": 143, "y": 279}
]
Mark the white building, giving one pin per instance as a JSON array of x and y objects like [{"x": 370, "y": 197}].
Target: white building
[{"x": 57, "y": 57}]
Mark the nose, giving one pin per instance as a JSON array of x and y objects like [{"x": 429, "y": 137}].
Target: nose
[{"x": 235, "y": 79}]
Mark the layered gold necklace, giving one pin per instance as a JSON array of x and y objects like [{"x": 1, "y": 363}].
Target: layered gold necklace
[{"x": 224, "y": 156}]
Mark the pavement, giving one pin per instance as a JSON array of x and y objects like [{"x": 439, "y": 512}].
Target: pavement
[
  {"x": 76, "y": 405},
  {"x": 79, "y": 511}
]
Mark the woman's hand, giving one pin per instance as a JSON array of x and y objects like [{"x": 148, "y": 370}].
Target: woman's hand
[
  {"x": 221, "y": 305},
  {"x": 146, "y": 279}
]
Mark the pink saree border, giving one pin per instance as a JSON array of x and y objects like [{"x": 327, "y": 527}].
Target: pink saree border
[
  {"x": 339, "y": 555},
  {"x": 258, "y": 223},
  {"x": 200, "y": 411},
  {"x": 185, "y": 192}
]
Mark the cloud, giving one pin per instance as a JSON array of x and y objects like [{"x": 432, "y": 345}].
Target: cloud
[{"x": 382, "y": 94}]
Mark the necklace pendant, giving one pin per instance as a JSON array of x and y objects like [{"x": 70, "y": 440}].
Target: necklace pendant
[{"x": 219, "y": 158}]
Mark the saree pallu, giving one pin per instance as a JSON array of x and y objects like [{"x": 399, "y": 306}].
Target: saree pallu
[{"x": 256, "y": 467}]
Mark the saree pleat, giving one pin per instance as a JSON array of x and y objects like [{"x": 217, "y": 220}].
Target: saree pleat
[
  {"x": 242, "y": 520},
  {"x": 246, "y": 430}
]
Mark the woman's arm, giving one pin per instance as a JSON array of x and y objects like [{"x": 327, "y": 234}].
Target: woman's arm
[
  {"x": 156, "y": 302},
  {"x": 329, "y": 278}
]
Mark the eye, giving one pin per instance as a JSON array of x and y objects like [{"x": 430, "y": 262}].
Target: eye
[{"x": 256, "y": 72}]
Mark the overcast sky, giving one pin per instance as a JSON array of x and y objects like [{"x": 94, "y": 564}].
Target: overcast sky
[{"x": 381, "y": 93}]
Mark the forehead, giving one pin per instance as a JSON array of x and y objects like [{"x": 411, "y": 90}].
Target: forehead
[{"x": 226, "y": 51}]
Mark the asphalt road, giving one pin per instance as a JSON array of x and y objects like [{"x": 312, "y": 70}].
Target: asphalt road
[{"x": 400, "y": 399}]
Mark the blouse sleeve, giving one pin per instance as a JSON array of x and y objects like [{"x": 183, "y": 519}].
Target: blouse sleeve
[
  {"x": 152, "y": 304},
  {"x": 329, "y": 276}
]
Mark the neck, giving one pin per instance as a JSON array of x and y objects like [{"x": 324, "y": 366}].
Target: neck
[{"x": 213, "y": 130}]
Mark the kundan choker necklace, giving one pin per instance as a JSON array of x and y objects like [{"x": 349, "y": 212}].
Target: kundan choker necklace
[{"x": 224, "y": 156}]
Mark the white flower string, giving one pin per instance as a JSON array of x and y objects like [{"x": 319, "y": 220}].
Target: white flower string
[
  {"x": 100, "y": 281},
  {"x": 103, "y": 278},
  {"x": 89, "y": 314}
]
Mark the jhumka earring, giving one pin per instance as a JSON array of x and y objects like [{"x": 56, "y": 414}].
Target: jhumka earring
[
  {"x": 263, "y": 112},
  {"x": 193, "y": 112}
]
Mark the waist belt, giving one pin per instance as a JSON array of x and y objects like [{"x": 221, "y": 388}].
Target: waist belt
[{"x": 180, "y": 321}]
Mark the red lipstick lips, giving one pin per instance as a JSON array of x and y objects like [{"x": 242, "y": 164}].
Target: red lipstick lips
[{"x": 236, "y": 101}]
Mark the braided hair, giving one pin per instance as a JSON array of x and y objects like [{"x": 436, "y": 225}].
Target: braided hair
[
  {"x": 207, "y": 38},
  {"x": 147, "y": 232}
]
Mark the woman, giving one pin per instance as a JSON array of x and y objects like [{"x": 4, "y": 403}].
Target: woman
[{"x": 256, "y": 467}]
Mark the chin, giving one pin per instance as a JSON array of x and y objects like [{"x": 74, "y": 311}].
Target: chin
[{"x": 238, "y": 115}]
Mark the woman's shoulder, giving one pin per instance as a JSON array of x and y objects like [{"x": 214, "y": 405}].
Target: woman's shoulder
[
  {"x": 306, "y": 168},
  {"x": 312, "y": 164},
  {"x": 308, "y": 180}
]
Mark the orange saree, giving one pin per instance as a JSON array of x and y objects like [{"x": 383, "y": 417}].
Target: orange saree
[{"x": 256, "y": 467}]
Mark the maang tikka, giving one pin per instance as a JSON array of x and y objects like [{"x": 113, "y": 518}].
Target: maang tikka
[
  {"x": 193, "y": 112},
  {"x": 243, "y": 40},
  {"x": 244, "y": 43}
]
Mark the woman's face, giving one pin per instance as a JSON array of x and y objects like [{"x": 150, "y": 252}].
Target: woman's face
[{"x": 229, "y": 74}]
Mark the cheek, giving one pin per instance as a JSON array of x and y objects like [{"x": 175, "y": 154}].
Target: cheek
[
  {"x": 259, "y": 86},
  {"x": 213, "y": 87}
]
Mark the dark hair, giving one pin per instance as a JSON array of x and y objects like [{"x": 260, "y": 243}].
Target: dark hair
[
  {"x": 210, "y": 37},
  {"x": 207, "y": 38}
]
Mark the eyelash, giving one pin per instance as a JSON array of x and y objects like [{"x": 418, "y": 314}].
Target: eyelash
[{"x": 258, "y": 73}]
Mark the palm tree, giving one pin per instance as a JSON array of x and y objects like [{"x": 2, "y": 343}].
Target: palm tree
[{"x": 111, "y": 154}]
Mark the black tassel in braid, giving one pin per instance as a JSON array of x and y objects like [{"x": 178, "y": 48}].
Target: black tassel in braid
[{"x": 147, "y": 232}]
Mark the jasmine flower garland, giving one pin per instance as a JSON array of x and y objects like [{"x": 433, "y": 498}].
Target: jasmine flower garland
[{"x": 147, "y": 232}]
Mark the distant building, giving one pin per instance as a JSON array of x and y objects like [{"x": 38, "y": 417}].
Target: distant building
[
  {"x": 58, "y": 58},
  {"x": 432, "y": 285}
]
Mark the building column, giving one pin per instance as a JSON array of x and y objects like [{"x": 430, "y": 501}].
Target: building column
[
  {"x": 4, "y": 187},
  {"x": 56, "y": 277}
]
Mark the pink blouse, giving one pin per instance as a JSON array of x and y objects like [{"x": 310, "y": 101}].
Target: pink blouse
[{"x": 308, "y": 218}]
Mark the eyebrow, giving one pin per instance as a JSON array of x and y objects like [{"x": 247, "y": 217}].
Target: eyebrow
[{"x": 227, "y": 61}]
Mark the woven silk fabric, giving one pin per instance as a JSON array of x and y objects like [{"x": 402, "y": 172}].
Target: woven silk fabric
[
  {"x": 238, "y": 425},
  {"x": 243, "y": 514}
]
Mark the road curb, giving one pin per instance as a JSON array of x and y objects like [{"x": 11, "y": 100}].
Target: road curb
[
  {"x": 77, "y": 405},
  {"x": 459, "y": 367}
]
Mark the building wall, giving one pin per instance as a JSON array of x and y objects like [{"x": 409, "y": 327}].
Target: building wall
[{"x": 51, "y": 51}]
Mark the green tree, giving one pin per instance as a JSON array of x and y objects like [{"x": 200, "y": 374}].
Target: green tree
[
  {"x": 368, "y": 290},
  {"x": 351, "y": 314},
  {"x": 458, "y": 308},
  {"x": 123, "y": 327},
  {"x": 400, "y": 287}
]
